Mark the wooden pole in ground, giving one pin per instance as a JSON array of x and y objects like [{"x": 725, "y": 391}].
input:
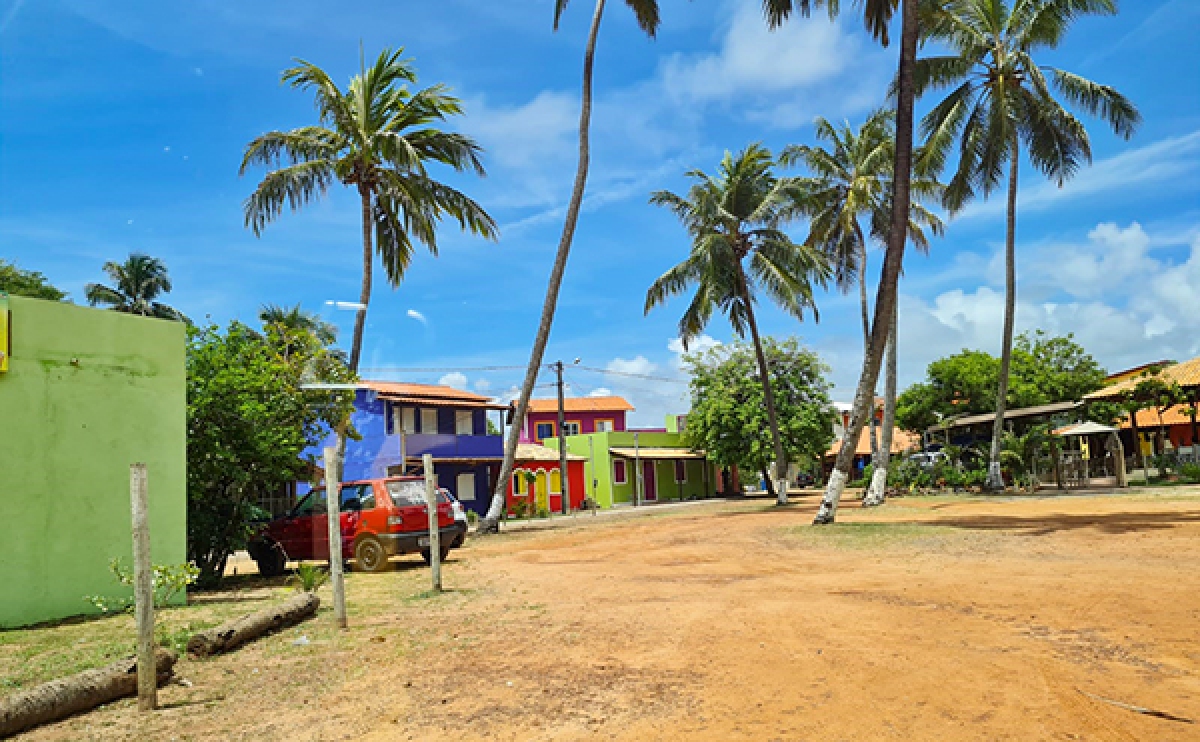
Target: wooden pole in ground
[
  {"x": 143, "y": 592},
  {"x": 431, "y": 498},
  {"x": 333, "y": 502}
]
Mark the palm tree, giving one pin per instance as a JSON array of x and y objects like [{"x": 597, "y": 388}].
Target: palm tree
[
  {"x": 877, "y": 16},
  {"x": 292, "y": 330},
  {"x": 377, "y": 137},
  {"x": 646, "y": 12},
  {"x": 298, "y": 320},
  {"x": 852, "y": 182},
  {"x": 136, "y": 284},
  {"x": 1001, "y": 99},
  {"x": 739, "y": 250}
]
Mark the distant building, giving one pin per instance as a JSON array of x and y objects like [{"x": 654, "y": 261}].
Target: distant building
[
  {"x": 537, "y": 477},
  {"x": 583, "y": 415},
  {"x": 629, "y": 467},
  {"x": 398, "y": 421}
]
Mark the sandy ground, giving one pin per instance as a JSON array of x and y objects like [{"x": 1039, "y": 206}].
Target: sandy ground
[{"x": 929, "y": 619}]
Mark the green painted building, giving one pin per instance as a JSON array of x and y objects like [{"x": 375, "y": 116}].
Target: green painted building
[
  {"x": 624, "y": 467},
  {"x": 86, "y": 393}
]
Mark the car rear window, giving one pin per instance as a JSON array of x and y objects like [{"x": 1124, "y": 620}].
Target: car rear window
[{"x": 410, "y": 492}]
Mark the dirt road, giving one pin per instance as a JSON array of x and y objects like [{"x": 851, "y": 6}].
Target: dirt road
[{"x": 931, "y": 619}]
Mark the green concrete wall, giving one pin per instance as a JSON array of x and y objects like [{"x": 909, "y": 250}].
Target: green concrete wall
[
  {"x": 599, "y": 467},
  {"x": 88, "y": 393}
]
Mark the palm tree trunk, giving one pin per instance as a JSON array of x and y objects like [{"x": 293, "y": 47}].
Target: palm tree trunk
[
  {"x": 885, "y": 297},
  {"x": 364, "y": 296},
  {"x": 781, "y": 462},
  {"x": 877, "y": 490},
  {"x": 491, "y": 523},
  {"x": 866, "y": 323},
  {"x": 995, "y": 480}
]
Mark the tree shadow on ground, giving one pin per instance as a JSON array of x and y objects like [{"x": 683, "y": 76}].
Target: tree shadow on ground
[{"x": 1041, "y": 525}]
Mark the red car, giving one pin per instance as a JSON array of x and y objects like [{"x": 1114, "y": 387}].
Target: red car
[{"x": 380, "y": 518}]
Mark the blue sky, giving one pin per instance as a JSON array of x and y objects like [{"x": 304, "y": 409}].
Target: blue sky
[{"x": 122, "y": 126}]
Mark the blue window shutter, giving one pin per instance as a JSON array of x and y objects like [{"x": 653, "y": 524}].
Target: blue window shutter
[{"x": 388, "y": 423}]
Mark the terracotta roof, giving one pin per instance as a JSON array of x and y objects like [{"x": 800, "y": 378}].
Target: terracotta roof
[
  {"x": 1122, "y": 375},
  {"x": 1148, "y": 418},
  {"x": 902, "y": 441},
  {"x": 581, "y": 404},
  {"x": 432, "y": 395},
  {"x": 534, "y": 452},
  {"x": 645, "y": 452},
  {"x": 1185, "y": 374},
  {"x": 987, "y": 417}
]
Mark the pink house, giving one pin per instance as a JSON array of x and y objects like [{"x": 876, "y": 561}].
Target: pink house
[{"x": 583, "y": 415}]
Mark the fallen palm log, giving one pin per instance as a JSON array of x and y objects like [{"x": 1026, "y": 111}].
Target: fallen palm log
[
  {"x": 64, "y": 697},
  {"x": 233, "y": 634}
]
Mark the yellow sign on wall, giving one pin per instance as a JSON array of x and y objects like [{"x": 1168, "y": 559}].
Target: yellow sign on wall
[{"x": 5, "y": 345}]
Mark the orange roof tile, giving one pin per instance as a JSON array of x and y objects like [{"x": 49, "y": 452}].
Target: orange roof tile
[
  {"x": 434, "y": 395},
  {"x": 581, "y": 404},
  {"x": 1186, "y": 374},
  {"x": 1177, "y": 415},
  {"x": 902, "y": 441}
]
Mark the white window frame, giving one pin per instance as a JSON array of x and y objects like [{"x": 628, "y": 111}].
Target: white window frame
[
  {"x": 624, "y": 471},
  {"x": 461, "y": 417},
  {"x": 405, "y": 419},
  {"x": 465, "y": 494},
  {"x": 428, "y": 413},
  {"x": 569, "y": 425},
  {"x": 606, "y": 425}
]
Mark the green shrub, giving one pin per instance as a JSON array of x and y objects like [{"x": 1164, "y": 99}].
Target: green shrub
[
  {"x": 309, "y": 577},
  {"x": 168, "y": 580},
  {"x": 472, "y": 517},
  {"x": 1190, "y": 473}
]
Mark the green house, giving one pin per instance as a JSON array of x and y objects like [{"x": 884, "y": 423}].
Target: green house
[
  {"x": 84, "y": 393},
  {"x": 636, "y": 467}
]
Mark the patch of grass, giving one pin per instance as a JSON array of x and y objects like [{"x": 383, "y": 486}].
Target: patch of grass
[{"x": 866, "y": 535}]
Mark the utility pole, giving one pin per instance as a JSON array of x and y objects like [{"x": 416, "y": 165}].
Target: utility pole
[
  {"x": 562, "y": 444},
  {"x": 333, "y": 502},
  {"x": 143, "y": 591}
]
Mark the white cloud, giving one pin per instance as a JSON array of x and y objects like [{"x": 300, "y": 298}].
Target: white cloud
[
  {"x": 638, "y": 365},
  {"x": 529, "y": 133},
  {"x": 601, "y": 391},
  {"x": 754, "y": 65},
  {"x": 456, "y": 379},
  {"x": 700, "y": 344},
  {"x": 1124, "y": 305},
  {"x": 482, "y": 385},
  {"x": 414, "y": 314}
]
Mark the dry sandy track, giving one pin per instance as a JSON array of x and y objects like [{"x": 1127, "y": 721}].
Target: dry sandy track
[{"x": 931, "y": 619}]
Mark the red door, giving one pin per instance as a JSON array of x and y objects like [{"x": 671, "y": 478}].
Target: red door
[{"x": 649, "y": 482}]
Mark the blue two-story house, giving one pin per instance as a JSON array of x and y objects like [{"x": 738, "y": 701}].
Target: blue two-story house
[{"x": 400, "y": 420}]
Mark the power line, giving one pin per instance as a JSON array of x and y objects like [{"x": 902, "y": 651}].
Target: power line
[{"x": 631, "y": 374}]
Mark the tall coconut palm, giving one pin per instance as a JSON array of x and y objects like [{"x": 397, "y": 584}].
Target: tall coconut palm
[
  {"x": 877, "y": 16},
  {"x": 378, "y": 137},
  {"x": 1001, "y": 105},
  {"x": 852, "y": 184},
  {"x": 295, "y": 318},
  {"x": 646, "y": 12},
  {"x": 136, "y": 284},
  {"x": 739, "y": 250}
]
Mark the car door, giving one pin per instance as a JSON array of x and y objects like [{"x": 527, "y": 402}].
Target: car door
[
  {"x": 354, "y": 498},
  {"x": 295, "y": 531},
  {"x": 317, "y": 531}
]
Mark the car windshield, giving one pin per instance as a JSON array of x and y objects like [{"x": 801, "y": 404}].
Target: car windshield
[{"x": 410, "y": 492}]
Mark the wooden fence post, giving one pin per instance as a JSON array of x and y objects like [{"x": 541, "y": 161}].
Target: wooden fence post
[
  {"x": 431, "y": 503},
  {"x": 143, "y": 592},
  {"x": 333, "y": 501}
]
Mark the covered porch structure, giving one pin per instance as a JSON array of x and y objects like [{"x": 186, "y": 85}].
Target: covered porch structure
[{"x": 664, "y": 473}]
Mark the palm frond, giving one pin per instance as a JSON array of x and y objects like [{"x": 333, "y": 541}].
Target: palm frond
[
  {"x": 292, "y": 186},
  {"x": 1098, "y": 100}
]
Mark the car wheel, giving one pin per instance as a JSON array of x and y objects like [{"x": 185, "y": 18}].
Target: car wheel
[
  {"x": 427, "y": 555},
  {"x": 271, "y": 561},
  {"x": 369, "y": 555}
]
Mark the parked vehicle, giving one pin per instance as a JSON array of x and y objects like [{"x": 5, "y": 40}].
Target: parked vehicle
[
  {"x": 927, "y": 459},
  {"x": 380, "y": 518}
]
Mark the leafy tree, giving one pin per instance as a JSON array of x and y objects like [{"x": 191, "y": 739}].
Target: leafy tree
[
  {"x": 1046, "y": 369},
  {"x": 646, "y": 13},
  {"x": 18, "y": 282},
  {"x": 877, "y": 16},
  {"x": 738, "y": 250},
  {"x": 1001, "y": 100},
  {"x": 1021, "y": 453},
  {"x": 248, "y": 423},
  {"x": 137, "y": 283},
  {"x": 292, "y": 328},
  {"x": 728, "y": 415}
]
